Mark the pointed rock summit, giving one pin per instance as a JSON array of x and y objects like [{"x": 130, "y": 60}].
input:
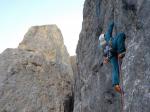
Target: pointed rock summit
[
  {"x": 37, "y": 76},
  {"x": 48, "y": 40}
]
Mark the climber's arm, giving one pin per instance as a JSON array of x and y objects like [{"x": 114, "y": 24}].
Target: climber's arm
[
  {"x": 105, "y": 60},
  {"x": 110, "y": 28},
  {"x": 108, "y": 34}
]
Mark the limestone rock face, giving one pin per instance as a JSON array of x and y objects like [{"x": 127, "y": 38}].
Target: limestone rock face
[
  {"x": 38, "y": 76},
  {"x": 93, "y": 90},
  {"x": 48, "y": 40}
]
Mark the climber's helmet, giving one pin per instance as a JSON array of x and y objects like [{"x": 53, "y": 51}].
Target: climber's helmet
[{"x": 102, "y": 40}]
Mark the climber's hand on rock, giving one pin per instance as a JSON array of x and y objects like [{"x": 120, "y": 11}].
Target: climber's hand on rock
[{"x": 106, "y": 60}]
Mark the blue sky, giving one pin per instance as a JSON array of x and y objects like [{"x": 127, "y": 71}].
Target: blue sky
[{"x": 17, "y": 16}]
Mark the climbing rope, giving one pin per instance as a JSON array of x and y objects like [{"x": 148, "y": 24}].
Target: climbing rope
[{"x": 121, "y": 80}]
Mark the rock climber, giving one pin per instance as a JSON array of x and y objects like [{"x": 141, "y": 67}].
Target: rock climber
[{"x": 113, "y": 52}]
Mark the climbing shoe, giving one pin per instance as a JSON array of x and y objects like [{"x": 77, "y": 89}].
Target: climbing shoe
[{"x": 118, "y": 89}]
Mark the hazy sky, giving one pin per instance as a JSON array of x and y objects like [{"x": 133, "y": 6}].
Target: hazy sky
[{"x": 17, "y": 16}]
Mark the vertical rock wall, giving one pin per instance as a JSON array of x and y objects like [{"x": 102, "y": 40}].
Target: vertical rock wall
[{"x": 93, "y": 91}]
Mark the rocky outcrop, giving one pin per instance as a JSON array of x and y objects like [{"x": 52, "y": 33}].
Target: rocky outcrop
[
  {"x": 37, "y": 76},
  {"x": 93, "y": 90},
  {"x": 48, "y": 40}
]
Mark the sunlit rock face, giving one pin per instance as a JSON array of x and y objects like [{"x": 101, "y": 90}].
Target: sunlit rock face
[
  {"x": 93, "y": 90},
  {"x": 48, "y": 40},
  {"x": 37, "y": 76}
]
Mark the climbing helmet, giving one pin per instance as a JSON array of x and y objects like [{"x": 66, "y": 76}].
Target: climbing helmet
[{"x": 102, "y": 40}]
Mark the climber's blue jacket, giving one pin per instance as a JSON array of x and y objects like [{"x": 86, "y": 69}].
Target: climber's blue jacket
[{"x": 118, "y": 45}]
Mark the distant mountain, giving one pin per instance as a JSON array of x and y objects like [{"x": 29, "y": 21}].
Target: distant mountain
[{"x": 37, "y": 76}]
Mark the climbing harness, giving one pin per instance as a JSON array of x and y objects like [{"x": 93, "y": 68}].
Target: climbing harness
[
  {"x": 121, "y": 80},
  {"x": 108, "y": 50}
]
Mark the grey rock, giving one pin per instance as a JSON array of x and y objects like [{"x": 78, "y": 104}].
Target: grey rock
[
  {"x": 48, "y": 40},
  {"x": 33, "y": 78},
  {"x": 93, "y": 91},
  {"x": 73, "y": 64}
]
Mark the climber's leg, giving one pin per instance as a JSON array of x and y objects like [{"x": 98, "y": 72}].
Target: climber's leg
[
  {"x": 121, "y": 44},
  {"x": 115, "y": 71}
]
